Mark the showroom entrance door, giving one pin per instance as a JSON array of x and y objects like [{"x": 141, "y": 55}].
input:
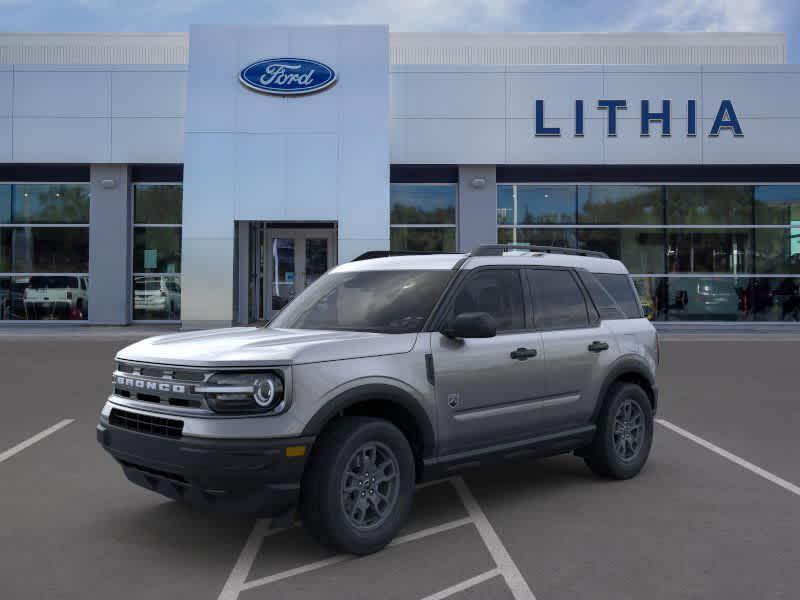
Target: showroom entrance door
[{"x": 284, "y": 261}]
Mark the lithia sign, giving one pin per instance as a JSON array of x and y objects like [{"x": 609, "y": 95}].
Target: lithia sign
[{"x": 725, "y": 120}]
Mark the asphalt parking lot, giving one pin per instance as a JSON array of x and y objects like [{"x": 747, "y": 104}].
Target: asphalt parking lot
[{"x": 715, "y": 513}]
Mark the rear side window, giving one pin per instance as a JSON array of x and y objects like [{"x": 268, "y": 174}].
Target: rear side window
[
  {"x": 622, "y": 290},
  {"x": 558, "y": 301},
  {"x": 606, "y": 305}
]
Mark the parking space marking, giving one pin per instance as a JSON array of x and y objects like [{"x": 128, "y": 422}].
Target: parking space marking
[
  {"x": 261, "y": 529},
  {"x": 506, "y": 567},
  {"x": 333, "y": 560},
  {"x": 505, "y": 564},
  {"x": 771, "y": 477},
  {"x": 4, "y": 456},
  {"x": 464, "y": 585}
]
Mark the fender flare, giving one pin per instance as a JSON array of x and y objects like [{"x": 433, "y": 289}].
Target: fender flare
[
  {"x": 380, "y": 392},
  {"x": 624, "y": 366}
]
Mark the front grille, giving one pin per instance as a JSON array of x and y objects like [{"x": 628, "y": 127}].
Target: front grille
[{"x": 171, "y": 428}]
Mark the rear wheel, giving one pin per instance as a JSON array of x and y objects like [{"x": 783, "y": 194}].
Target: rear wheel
[
  {"x": 358, "y": 489},
  {"x": 624, "y": 433}
]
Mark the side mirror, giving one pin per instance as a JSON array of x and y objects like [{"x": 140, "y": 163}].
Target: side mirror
[{"x": 471, "y": 325}]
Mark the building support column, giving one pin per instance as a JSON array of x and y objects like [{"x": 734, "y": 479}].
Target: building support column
[
  {"x": 477, "y": 206},
  {"x": 109, "y": 245}
]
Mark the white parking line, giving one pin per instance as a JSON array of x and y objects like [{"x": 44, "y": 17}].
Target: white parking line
[
  {"x": 333, "y": 560},
  {"x": 464, "y": 585},
  {"x": 505, "y": 564},
  {"x": 771, "y": 477},
  {"x": 33, "y": 439},
  {"x": 240, "y": 571}
]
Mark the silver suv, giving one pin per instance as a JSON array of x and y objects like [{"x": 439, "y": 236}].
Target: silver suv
[{"x": 387, "y": 372}]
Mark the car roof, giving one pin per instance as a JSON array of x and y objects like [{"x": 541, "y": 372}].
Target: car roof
[{"x": 428, "y": 262}]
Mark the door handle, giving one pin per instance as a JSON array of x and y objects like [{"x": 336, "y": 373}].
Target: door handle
[
  {"x": 523, "y": 353},
  {"x": 598, "y": 346}
]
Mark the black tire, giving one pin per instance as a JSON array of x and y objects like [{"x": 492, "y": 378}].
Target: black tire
[
  {"x": 331, "y": 504},
  {"x": 615, "y": 454}
]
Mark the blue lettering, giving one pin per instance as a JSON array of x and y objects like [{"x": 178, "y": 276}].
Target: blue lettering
[
  {"x": 541, "y": 130},
  {"x": 663, "y": 116},
  {"x": 612, "y": 106},
  {"x": 578, "y": 118},
  {"x": 726, "y": 119},
  {"x": 691, "y": 118}
]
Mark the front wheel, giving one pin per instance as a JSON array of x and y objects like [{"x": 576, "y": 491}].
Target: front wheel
[
  {"x": 358, "y": 489},
  {"x": 624, "y": 433}
]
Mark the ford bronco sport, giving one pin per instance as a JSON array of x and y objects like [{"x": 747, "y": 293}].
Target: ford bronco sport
[{"x": 387, "y": 372}]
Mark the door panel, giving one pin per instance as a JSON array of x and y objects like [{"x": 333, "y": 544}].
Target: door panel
[
  {"x": 573, "y": 372},
  {"x": 294, "y": 259},
  {"x": 569, "y": 327},
  {"x": 484, "y": 395}
]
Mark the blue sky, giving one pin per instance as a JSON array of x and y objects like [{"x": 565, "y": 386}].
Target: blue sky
[{"x": 414, "y": 15}]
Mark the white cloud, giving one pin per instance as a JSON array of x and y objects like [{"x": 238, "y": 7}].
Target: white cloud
[
  {"x": 705, "y": 15},
  {"x": 417, "y": 15}
]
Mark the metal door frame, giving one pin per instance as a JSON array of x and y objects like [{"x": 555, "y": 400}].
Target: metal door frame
[{"x": 300, "y": 235}]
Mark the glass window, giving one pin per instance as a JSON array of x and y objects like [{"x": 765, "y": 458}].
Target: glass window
[
  {"x": 620, "y": 288},
  {"x": 157, "y": 250},
  {"x": 777, "y": 205},
  {"x": 44, "y": 204},
  {"x": 607, "y": 307},
  {"x": 777, "y": 299},
  {"x": 424, "y": 239},
  {"x": 709, "y": 205},
  {"x": 562, "y": 238},
  {"x": 558, "y": 301},
  {"x": 44, "y": 264},
  {"x": 710, "y": 251},
  {"x": 381, "y": 301},
  {"x": 158, "y": 204},
  {"x": 620, "y": 204},
  {"x": 423, "y": 204},
  {"x": 157, "y": 214},
  {"x": 44, "y": 249},
  {"x": 494, "y": 291},
  {"x": 642, "y": 250},
  {"x": 535, "y": 204},
  {"x": 433, "y": 205},
  {"x": 778, "y": 250},
  {"x": 708, "y": 299},
  {"x": 156, "y": 297}
]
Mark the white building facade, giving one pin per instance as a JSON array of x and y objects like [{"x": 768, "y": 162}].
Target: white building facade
[{"x": 143, "y": 178}]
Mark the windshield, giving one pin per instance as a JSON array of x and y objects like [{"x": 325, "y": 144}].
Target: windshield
[{"x": 380, "y": 301}]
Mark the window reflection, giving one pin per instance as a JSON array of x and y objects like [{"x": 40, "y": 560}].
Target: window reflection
[
  {"x": 561, "y": 238},
  {"x": 157, "y": 213},
  {"x": 709, "y": 205},
  {"x": 709, "y": 251},
  {"x": 629, "y": 204},
  {"x": 44, "y": 297},
  {"x": 642, "y": 250},
  {"x": 424, "y": 239},
  {"x": 44, "y": 203},
  {"x": 433, "y": 205},
  {"x": 156, "y": 297}
]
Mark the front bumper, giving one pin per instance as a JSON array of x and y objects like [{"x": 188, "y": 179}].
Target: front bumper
[{"x": 243, "y": 476}]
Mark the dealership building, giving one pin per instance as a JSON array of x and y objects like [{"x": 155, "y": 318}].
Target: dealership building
[{"x": 208, "y": 177}]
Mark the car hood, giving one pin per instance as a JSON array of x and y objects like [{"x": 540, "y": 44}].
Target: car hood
[{"x": 257, "y": 346}]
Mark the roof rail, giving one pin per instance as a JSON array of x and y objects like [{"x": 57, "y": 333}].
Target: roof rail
[
  {"x": 498, "y": 249},
  {"x": 385, "y": 253}
]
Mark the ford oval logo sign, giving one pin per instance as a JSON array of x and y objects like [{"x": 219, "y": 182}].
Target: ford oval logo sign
[{"x": 287, "y": 76}]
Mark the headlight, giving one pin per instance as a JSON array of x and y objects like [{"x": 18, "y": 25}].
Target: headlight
[{"x": 244, "y": 393}]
